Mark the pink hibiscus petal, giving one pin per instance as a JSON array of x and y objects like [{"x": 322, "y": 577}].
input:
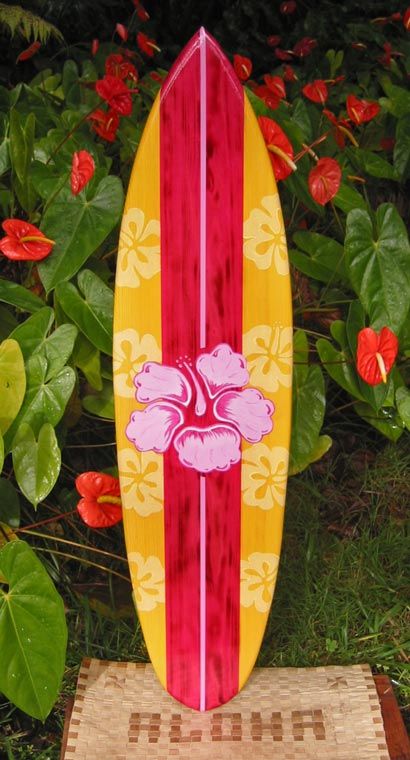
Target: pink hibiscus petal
[
  {"x": 248, "y": 410},
  {"x": 222, "y": 368},
  {"x": 206, "y": 449},
  {"x": 153, "y": 428},
  {"x": 157, "y": 381}
]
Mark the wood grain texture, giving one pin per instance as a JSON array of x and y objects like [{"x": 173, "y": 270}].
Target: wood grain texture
[{"x": 397, "y": 738}]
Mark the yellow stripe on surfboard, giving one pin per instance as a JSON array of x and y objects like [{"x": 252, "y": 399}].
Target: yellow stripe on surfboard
[
  {"x": 138, "y": 303},
  {"x": 267, "y": 346}
]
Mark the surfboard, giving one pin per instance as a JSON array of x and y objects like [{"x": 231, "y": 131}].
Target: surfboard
[{"x": 202, "y": 379}]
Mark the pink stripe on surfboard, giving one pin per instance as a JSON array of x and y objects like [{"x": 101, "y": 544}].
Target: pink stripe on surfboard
[
  {"x": 179, "y": 208},
  {"x": 201, "y": 148}
]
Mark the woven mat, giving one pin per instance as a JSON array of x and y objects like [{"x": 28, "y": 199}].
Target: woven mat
[{"x": 328, "y": 713}]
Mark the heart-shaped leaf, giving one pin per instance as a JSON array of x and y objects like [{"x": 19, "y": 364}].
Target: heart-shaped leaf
[
  {"x": 78, "y": 225},
  {"x": 12, "y": 382},
  {"x": 45, "y": 401},
  {"x": 91, "y": 309},
  {"x": 36, "y": 463},
  {"x": 379, "y": 265},
  {"x": 33, "y": 338},
  {"x": 308, "y": 409},
  {"x": 33, "y": 632}
]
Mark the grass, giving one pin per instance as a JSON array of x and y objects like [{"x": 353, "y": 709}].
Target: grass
[{"x": 342, "y": 593}]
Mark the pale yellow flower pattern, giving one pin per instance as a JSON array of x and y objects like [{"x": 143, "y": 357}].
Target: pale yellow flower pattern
[
  {"x": 264, "y": 236},
  {"x": 148, "y": 581},
  {"x": 268, "y": 352},
  {"x": 142, "y": 482},
  {"x": 264, "y": 474},
  {"x": 138, "y": 249},
  {"x": 258, "y": 579},
  {"x": 130, "y": 353}
]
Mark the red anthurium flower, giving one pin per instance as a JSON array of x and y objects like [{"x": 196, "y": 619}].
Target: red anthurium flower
[
  {"x": 276, "y": 85},
  {"x": 100, "y": 506},
  {"x": 273, "y": 40},
  {"x": 117, "y": 66},
  {"x": 242, "y": 66},
  {"x": 265, "y": 94},
  {"x": 289, "y": 74},
  {"x": 105, "y": 124},
  {"x": 316, "y": 91},
  {"x": 116, "y": 93},
  {"x": 324, "y": 180},
  {"x": 406, "y": 20},
  {"x": 360, "y": 111},
  {"x": 279, "y": 147},
  {"x": 82, "y": 169},
  {"x": 29, "y": 52},
  {"x": 141, "y": 12},
  {"x": 376, "y": 354},
  {"x": 342, "y": 129},
  {"x": 147, "y": 45},
  {"x": 24, "y": 241},
  {"x": 94, "y": 46},
  {"x": 288, "y": 7},
  {"x": 304, "y": 47},
  {"x": 284, "y": 55},
  {"x": 122, "y": 31}
]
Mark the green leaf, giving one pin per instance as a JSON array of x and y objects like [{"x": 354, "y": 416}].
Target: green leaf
[
  {"x": 5, "y": 156},
  {"x": 18, "y": 296},
  {"x": 9, "y": 504},
  {"x": 45, "y": 401},
  {"x": 12, "y": 382},
  {"x": 379, "y": 264},
  {"x": 71, "y": 84},
  {"x": 300, "y": 115},
  {"x": 370, "y": 163},
  {"x": 88, "y": 359},
  {"x": 33, "y": 632},
  {"x": 31, "y": 333},
  {"x": 398, "y": 101},
  {"x": 403, "y": 405},
  {"x": 18, "y": 149},
  {"x": 36, "y": 463},
  {"x": 91, "y": 309},
  {"x": 308, "y": 408},
  {"x": 401, "y": 153},
  {"x": 78, "y": 225},
  {"x": 321, "y": 448},
  {"x": 101, "y": 404},
  {"x": 339, "y": 366},
  {"x": 386, "y": 421},
  {"x": 347, "y": 198},
  {"x": 326, "y": 256}
]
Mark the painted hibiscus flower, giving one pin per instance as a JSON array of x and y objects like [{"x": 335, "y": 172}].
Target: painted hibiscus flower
[
  {"x": 202, "y": 413},
  {"x": 24, "y": 241},
  {"x": 100, "y": 505}
]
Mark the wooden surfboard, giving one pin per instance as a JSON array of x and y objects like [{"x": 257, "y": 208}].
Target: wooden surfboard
[{"x": 202, "y": 379}]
